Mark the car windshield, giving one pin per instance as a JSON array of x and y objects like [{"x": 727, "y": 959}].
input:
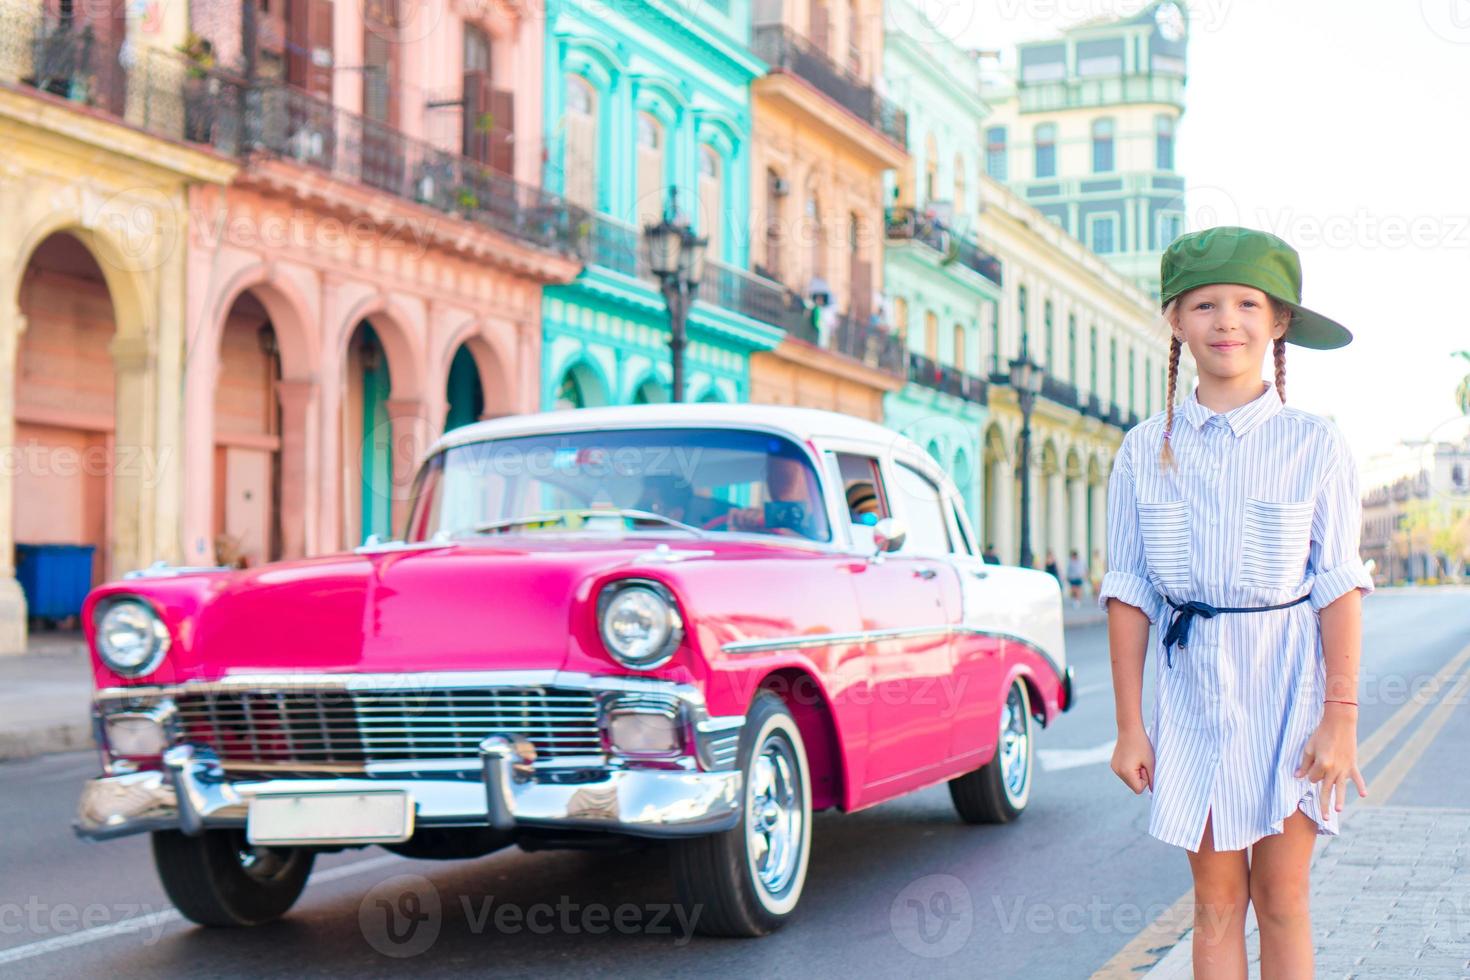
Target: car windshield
[{"x": 680, "y": 481}]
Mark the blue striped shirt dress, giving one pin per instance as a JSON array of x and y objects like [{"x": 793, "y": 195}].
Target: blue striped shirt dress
[{"x": 1261, "y": 508}]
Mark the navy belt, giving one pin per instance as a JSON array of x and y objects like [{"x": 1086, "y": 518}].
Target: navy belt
[{"x": 1184, "y": 613}]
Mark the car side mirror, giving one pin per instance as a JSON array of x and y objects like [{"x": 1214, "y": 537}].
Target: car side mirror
[{"x": 889, "y": 535}]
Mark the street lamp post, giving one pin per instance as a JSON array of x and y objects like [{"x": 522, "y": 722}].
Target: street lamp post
[
  {"x": 676, "y": 256},
  {"x": 1026, "y": 381}
]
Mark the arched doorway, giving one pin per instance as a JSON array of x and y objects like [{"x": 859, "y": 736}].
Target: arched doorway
[
  {"x": 466, "y": 395},
  {"x": 368, "y": 437},
  {"x": 247, "y": 438},
  {"x": 650, "y": 392},
  {"x": 65, "y": 404},
  {"x": 580, "y": 388}
]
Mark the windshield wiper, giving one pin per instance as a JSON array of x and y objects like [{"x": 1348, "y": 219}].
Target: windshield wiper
[{"x": 560, "y": 517}]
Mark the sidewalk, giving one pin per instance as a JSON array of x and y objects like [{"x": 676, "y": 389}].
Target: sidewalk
[
  {"x": 46, "y": 697},
  {"x": 1390, "y": 898}
]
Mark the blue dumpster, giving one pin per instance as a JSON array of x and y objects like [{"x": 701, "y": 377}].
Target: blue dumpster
[{"x": 55, "y": 577}]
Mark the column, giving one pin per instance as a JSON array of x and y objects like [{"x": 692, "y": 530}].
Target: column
[
  {"x": 134, "y": 455},
  {"x": 1077, "y": 510},
  {"x": 409, "y": 420},
  {"x": 1007, "y": 518},
  {"x": 12, "y": 598},
  {"x": 300, "y": 467}
]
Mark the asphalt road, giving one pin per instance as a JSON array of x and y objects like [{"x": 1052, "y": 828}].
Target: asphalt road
[{"x": 897, "y": 890}]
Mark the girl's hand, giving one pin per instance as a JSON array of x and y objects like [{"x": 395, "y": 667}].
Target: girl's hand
[
  {"x": 1331, "y": 755},
  {"x": 1133, "y": 759}
]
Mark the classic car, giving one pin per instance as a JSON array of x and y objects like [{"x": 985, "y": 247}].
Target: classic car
[{"x": 694, "y": 623}]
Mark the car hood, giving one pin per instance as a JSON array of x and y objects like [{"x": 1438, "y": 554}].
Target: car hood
[{"x": 479, "y": 606}]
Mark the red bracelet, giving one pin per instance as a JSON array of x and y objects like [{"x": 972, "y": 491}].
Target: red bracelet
[{"x": 1340, "y": 701}]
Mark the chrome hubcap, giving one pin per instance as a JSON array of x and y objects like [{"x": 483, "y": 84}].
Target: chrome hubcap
[
  {"x": 1015, "y": 744},
  {"x": 775, "y": 821},
  {"x": 261, "y": 863}
]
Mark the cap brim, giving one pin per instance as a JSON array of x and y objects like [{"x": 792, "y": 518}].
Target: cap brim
[{"x": 1311, "y": 329}]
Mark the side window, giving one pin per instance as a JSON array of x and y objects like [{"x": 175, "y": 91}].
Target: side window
[
  {"x": 865, "y": 494},
  {"x": 963, "y": 545},
  {"x": 924, "y": 510}
]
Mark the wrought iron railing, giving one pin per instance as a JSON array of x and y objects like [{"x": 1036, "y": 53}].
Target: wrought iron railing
[
  {"x": 870, "y": 343},
  {"x": 1059, "y": 391},
  {"x": 293, "y": 124},
  {"x": 1094, "y": 407},
  {"x": 783, "y": 49},
  {"x": 901, "y": 224},
  {"x": 928, "y": 373},
  {"x": 754, "y": 296}
]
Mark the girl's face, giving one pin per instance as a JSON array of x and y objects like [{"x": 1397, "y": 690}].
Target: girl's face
[{"x": 1229, "y": 329}]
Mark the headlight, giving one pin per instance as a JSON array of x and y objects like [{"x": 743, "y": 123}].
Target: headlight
[
  {"x": 131, "y": 639},
  {"x": 639, "y": 624}
]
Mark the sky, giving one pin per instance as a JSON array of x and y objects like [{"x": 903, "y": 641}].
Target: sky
[{"x": 1343, "y": 127}]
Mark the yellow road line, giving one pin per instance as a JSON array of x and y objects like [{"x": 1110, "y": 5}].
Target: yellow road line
[{"x": 1159, "y": 936}]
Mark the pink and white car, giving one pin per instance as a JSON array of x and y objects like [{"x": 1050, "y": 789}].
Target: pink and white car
[{"x": 701, "y": 623}]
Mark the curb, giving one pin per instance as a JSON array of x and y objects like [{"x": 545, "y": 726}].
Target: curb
[{"x": 29, "y": 743}]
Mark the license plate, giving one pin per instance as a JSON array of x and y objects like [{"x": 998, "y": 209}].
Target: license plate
[{"x": 378, "y": 817}]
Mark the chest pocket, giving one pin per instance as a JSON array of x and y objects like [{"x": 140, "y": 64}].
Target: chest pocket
[
  {"x": 1165, "y": 529},
  {"x": 1274, "y": 543}
]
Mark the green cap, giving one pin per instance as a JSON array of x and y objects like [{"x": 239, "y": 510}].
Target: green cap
[{"x": 1248, "y": 258}]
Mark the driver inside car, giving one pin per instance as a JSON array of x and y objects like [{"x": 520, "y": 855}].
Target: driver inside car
[{"x": 791, "y": 501}]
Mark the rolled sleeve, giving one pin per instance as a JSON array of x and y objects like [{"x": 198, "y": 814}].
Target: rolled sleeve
[
  {"x": 1127, "y": 576},
  {"x": 1337, "y": 527}
]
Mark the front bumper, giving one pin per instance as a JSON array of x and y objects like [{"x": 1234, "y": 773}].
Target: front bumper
[{"x": 192, "y": 794}]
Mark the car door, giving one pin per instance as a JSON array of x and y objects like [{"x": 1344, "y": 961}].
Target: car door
[
  {"x": 906, "y": 600},
  {"x": 977, "y": 651}
]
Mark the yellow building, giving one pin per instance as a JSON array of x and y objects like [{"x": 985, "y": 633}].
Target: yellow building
[
  {"x": 1104, "y": 348},
  {"x": 99, "y": 152},
  {"x": 822, "y": 139}
]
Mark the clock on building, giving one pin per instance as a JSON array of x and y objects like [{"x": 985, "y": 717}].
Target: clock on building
[{"x": 1170, "y": 20}]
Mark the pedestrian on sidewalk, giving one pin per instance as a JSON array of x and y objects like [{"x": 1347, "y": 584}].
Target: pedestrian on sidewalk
[
  {"x": 1234, "y": 528},
  {"x": 1051, "y": 566},
  {"x": 1076, "y": 576}
]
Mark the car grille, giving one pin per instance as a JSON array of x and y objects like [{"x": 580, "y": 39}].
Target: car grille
[{"x": 334, "y": 728}]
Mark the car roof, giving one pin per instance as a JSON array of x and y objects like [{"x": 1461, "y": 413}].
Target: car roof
[{"x": 802, "y": 424}]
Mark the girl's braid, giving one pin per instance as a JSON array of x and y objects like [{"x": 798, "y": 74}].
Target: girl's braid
[
  {"x": 1280, "y": 345},
  {"x": 1166, "y": 455}
]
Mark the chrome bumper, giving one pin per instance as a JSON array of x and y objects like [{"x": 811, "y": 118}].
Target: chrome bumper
[{"x": 192, "y": 794}]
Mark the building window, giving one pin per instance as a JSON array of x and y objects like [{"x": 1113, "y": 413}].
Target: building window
[
  {"x": 1163, "y": 142},
  {"x": 1102, "y": 146},
  {"x": 1046, "y": 150},
  {"x": 959, "y": 346},
  {"x": 1025, "y": 329},
  {"x": 1092, "y": 361},
  {"x": 775, "y": 194},
  {"x": 1170, "y": 227},
  {"x": 650, "y": 205},
  {"x": 959, "y": 186},
  {"x": 1072, "y": 347},
  {"x": 712, "y": 200},
  {"x": 1051, "y": 346},
  {"x": 1113, "y": 369},
  {"x": 580, "y": 153},
  {"x": 995, "y": 365},
  {"x": 901, "y": 317},
  {"x": 1102, "y": 233},
  {"x": 931, "y": 169},
  {"x": 995, "y": 152},
  {"x": 931, "y": 337}
]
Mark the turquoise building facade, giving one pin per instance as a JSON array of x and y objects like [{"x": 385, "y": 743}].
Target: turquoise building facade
[
  {"x": 944, "y": 290},
  {"x": 641, "y": 98}
]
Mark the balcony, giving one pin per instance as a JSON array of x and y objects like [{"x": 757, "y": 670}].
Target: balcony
[
  {"x": 619, "y": 247},
  {"x": 784, "y": 50},
  {"x": 907, "y": 224},
  {"x": 930, "y": 374},
  {"x": 156, "y": 91},
  {"x": 292, "y": 124},
  {"x": 1094, "y": 408},
  {"x": 1078, "y": 93},
  {"x": 1059, "y": 391},
  {"x": 867, "y": 343}
]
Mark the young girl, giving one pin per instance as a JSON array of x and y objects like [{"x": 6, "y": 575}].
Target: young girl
[{"x": 1234, "y": 527}]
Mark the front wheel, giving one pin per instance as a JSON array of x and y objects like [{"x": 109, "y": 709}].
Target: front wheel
[
  {"x": 747, "y": 880},
  {"x": 998, "y": 791},
  {"x": 220, "y": 879}
]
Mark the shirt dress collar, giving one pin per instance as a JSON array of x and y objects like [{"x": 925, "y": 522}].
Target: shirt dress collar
[{"x": 1241, "y": 419}]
